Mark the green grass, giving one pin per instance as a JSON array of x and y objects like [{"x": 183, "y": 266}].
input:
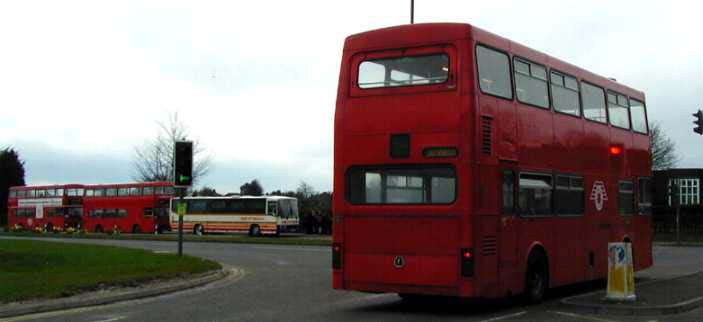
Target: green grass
[
  {"x": 310, "y": 240},
  {"x": 38, "y": 269}
]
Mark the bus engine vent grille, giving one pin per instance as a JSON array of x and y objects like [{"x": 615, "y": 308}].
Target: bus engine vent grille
[
  {"x": 489, "y": 245},
  {"x": 486, "y": 134}
]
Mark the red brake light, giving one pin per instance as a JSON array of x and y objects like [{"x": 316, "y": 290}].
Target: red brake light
[
  {"x": 615, "y": 150},
  {"x": 467, "y": 254}
]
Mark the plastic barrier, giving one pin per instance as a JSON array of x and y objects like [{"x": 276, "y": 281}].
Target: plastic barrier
[{"x": 621, "y": 274}]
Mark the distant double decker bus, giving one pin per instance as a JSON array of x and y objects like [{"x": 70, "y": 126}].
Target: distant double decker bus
[
  {"x": 50, "y": 208},
  {"x": 129, "y": 207},
  {"x": 466, "y": 164},
  {"x": 265, "y": 215}
]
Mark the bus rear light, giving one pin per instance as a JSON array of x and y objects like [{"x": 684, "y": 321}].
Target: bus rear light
[
  {"x": 615, "y": 150},
  {"x": 337, "y": 256},
  {"x": 467, "y": 262}
]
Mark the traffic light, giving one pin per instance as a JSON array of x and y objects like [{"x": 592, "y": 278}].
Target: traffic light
[
  {"x": 183, "y": 164},
  {"x": 698, "y": 122}
]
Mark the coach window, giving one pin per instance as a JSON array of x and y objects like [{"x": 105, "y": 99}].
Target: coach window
[
  {"x": 644, "y": 196},
  {"x": 110, "y": 192},
  {"x": 593, "y": 102},
  {"x": 508, "y": 189},
  {"x": 535, "y": 196},
  {"x": 148, "y": 191},
  {"x": 626, "y": 200},
  {"x": 135, "y": 191},
  {"x": 197, "y": 206},
  {"x": 639, "y": 118},
  {"x": 565, "y": 93},
  {"x": 531, "y": 83},
  {"x": 618, "y": 110},
  {"x": 13, "y": 194},
  {"x": 159, "y": 190},
  {"x": 569, "y": 196},
  {"x": 89, "y": 192},
  {"x": 31, "y": 193},
  {"x": 123, "y": 192},
  {"x": 59, "y": 192},
  {"x": 99, "y": 192},
  {"x": 21, "y": 194},
  {"x": 494, "y": 72},
  {"x": 51, "y": 192}
]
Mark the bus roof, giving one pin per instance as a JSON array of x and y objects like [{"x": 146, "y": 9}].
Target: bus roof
[
  {"x": 425, "y": 34},
  {"x": 241, "y": 197},
  {"x": 54, "y": 186}
]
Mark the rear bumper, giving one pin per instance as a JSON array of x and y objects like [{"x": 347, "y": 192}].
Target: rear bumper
[{"x": 463, "y": 288}]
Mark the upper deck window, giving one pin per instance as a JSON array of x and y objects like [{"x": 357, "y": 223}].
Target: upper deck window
[
  {"x": 531, "y": 83},
  {"x": 593, "y": 102},
  {"x": 618, "y": 110},
  {"x": 13, "y": 194},
  {"x": 565, "y": 93},
  {"x": 494, "y": 72},
  {"x": 639, "y": 120},
  {"x": 404, "y": 71}
]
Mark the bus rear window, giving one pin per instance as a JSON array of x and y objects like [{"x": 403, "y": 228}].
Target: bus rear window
[
  {"x": 435, "y": 185},
  {"x": 404, "y": 71}
]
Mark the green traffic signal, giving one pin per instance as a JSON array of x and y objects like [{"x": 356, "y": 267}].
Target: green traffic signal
[{"x": 183, "y": 163}]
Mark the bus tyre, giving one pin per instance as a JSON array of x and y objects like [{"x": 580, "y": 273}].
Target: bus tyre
[
  {"x": 49, "y": 227},
  {"x": 536, "y": 278},
  {"x": 198, "y": 230},
  {"x": 98, "y": 229},
  {"x": 254, "y": 230},
  {"x": 136, "y": 229}
]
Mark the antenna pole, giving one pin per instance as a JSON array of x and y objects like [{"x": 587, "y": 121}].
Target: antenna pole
[{"x": 412, "y": 11}]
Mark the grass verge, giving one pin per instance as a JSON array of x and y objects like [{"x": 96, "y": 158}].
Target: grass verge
[
  {"x": 32, "y": 269},
  {"x": 314, "y": 240}
]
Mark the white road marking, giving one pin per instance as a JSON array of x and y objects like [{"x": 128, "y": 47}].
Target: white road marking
[
  {"x": 161, "y": 251},
  {"x": 505, "y": 317},
  {"x": 579, "y": 316},
  {"x": 112, "y": 319}
]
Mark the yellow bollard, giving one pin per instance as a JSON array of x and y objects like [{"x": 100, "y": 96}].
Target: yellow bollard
[{"x": 621, "y": 275}]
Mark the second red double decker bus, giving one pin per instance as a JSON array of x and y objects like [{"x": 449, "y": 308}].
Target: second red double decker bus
[
  {"x": 466, "y": 164},
  {"x": 129, "y": 207}
]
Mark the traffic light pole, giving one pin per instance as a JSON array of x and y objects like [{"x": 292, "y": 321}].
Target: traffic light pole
[{"x": 181, "y": 192}]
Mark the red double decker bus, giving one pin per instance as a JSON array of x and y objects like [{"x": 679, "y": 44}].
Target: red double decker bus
[
  {"x": 466, "y": 164},
  {"x": 130, "y": 207},
  {"x": 54, "y": 207}
]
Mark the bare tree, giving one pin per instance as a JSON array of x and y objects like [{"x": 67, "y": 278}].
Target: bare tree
[
  {"x": 663, "y": 148},
  {"x": 305, "y": 190},
  {"x": 154, "y": 160}
]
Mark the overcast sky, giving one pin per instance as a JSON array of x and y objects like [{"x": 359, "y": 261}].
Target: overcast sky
[{"x": 84, "y": 82}]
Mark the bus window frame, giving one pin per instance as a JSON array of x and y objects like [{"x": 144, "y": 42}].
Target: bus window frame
[
  {"x": 546, "y": 81},
  {"x": 450, "y": 84},
  {"x": 646, "y": 117},
  {"x": 511, "y": 71},
  {"x": 383, "y": 171},
  {"x": 605, "y": 102},
  {"x": 635, "y": 202},
  {"x": 555, "y": 188},
  {"x": 519, "y": 211},
  {"x": 607, "y": 106},
  {"x": 580, "y": 114}
]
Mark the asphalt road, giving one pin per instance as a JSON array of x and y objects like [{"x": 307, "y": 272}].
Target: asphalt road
[{"x": 293, "y": 283}]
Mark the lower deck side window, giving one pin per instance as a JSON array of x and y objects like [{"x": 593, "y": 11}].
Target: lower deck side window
[
  {"x": 569, "y": 198},
  {"x": 626, "y": 198},
  {"x": 535, "y": 196}
]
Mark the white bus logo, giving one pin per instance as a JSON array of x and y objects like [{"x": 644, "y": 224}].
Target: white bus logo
[{"x": 598, "y": 194}]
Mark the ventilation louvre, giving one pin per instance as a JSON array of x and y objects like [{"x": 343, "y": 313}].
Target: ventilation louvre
[
  {"x": 486, "y": 134},
  {"x": 489, "y": 246}
]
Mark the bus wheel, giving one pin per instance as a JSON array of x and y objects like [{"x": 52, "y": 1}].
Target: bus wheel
[
  {"x": 254, "y": 230},
  {"x": 136, "y": 229},
  {"x": 198, "y": 230},
  {"x": 49, "y": 227},
  {"x": 98, "y": 229},
  {"x": 536, "y": 278}
]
